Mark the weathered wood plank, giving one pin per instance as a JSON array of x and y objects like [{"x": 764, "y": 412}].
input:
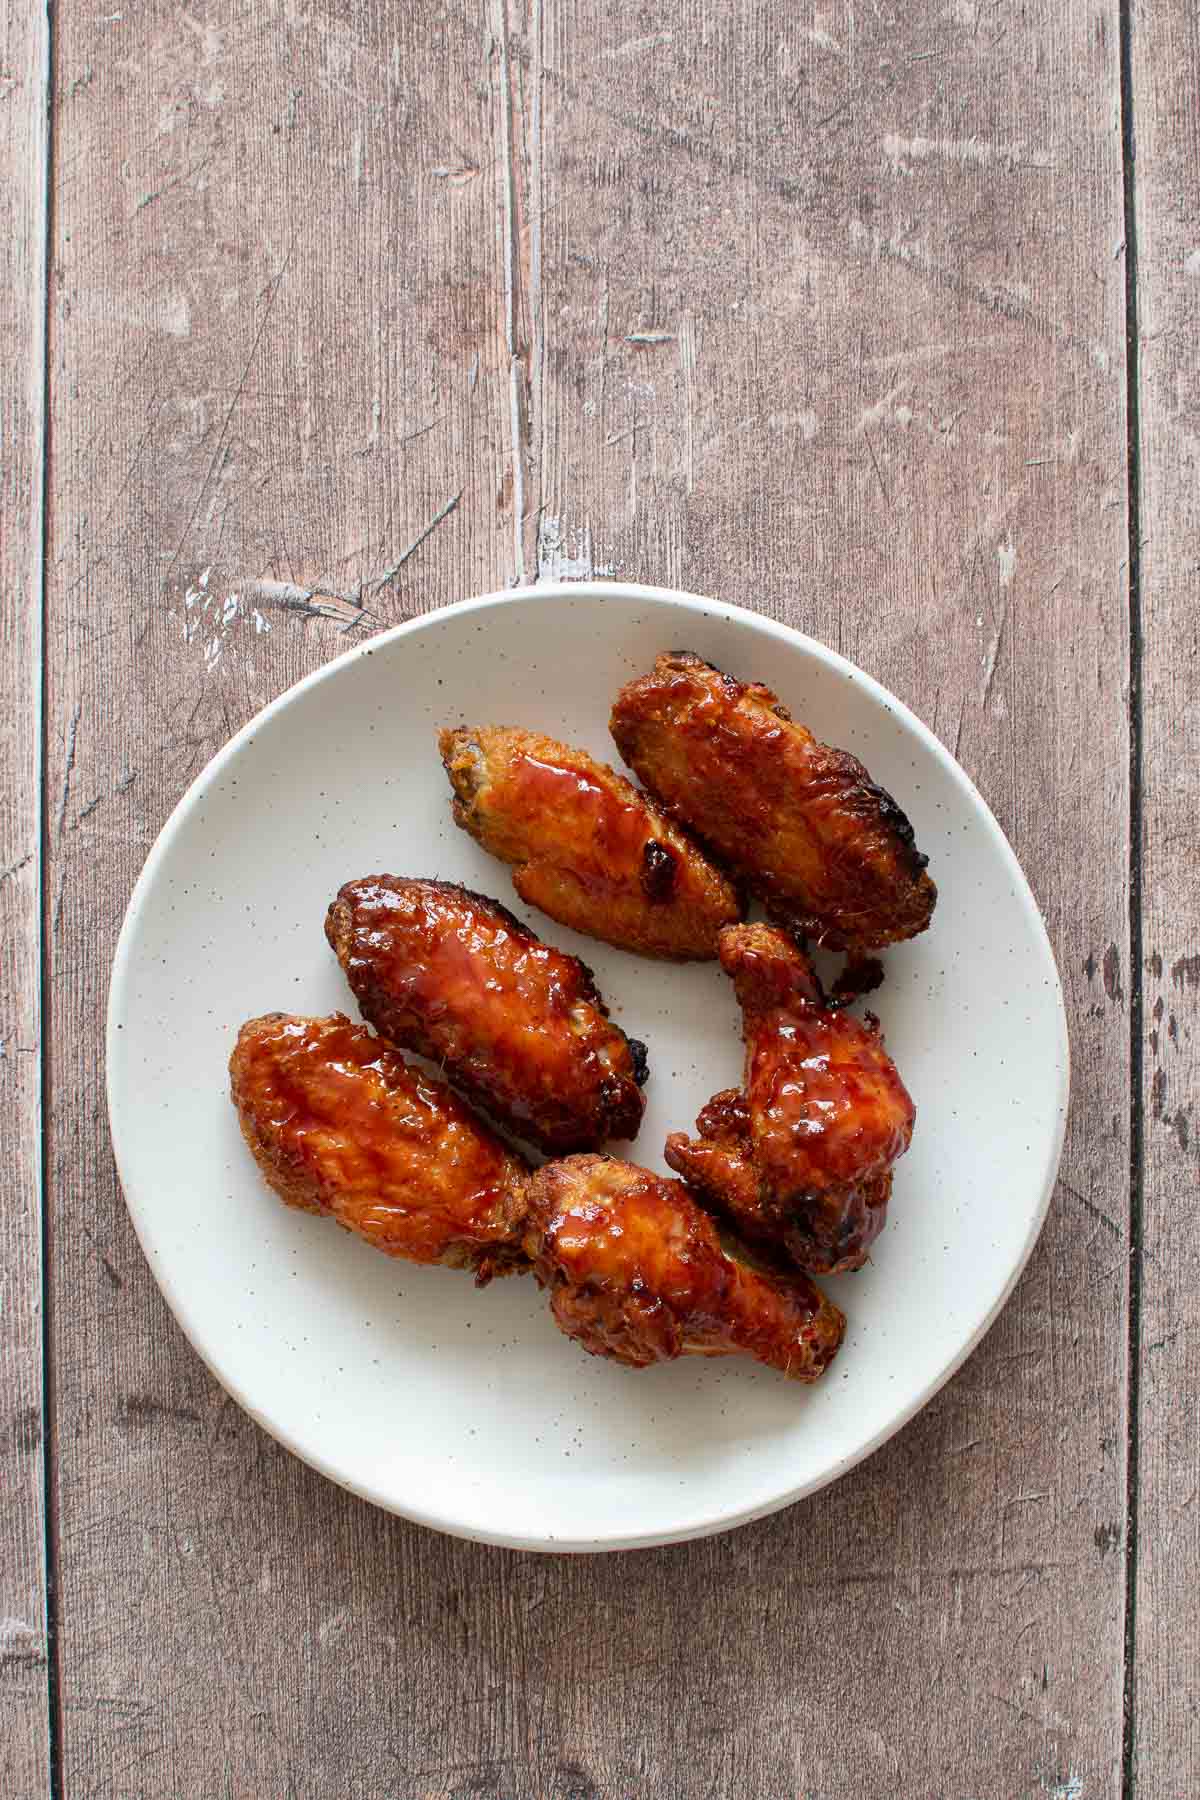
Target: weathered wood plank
[
  {"x": 831, "y": 323},
  {"x": 816, "y": 312},
  {"x": 24, "y": 1765},
  {"x": 278, "y": 358},
  {"x": 1165, "y": 67}
]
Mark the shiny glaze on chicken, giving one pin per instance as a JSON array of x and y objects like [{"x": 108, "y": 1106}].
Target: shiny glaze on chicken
[
  {"x": 828, "y": 852},
  {"x": 637, "y": 1273},
  {"x": 802, "y": 1158},
  {"x": 514, "y": 1023},
  {"x": 827, "y": 1233},
  {"x": 340, "y": 1124},
  {"x": 588, "y": 848},
  {"x": 825, "y": 1101}
]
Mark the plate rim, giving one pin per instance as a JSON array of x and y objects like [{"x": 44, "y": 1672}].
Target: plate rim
[{"x": 122, "y": 968}]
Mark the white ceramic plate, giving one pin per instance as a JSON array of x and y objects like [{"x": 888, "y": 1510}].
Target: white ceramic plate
[{"x": 468, "y": 1410}]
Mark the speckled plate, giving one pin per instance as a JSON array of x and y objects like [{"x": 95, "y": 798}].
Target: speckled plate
[{"x": 468, "y": 1410}]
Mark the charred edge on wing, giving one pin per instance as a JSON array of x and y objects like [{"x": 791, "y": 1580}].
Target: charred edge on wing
[
  {"x": 899, "y": 824},
  {"x": 660, "y": 870}
]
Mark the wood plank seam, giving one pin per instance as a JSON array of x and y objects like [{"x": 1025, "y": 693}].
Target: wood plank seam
[
  {"x": 1164, "y": 1752},
  {"x": 24, "y": 1427},
  {"x": 41, "y": 728},
  {"x": 1136, "y": 946},
  {"x": 521, "y": 174},
  {"x": 512, "y": 298}
]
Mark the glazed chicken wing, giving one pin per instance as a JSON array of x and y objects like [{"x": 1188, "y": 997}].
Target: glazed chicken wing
[
  {"x": 828, "y": 852},
  {"x": 515, "y": 1023},
  {"x": 637, "y": 1273},
  {"x": 340, "y": 1124},
  {"x": 589, "y": 849},
  {"x": 802, "y": 1159}
]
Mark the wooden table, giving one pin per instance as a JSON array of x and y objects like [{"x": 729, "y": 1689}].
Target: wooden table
[{"x": 880, "y": 318}]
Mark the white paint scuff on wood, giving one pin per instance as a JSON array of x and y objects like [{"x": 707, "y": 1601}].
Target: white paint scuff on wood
[
  {"x": 1006, "y": 558},
  {"x": 688, "y": 352},
  {"x": 1070, "y": 1789},
  {"x": 901, "y": 151},
  {"x": 566, "y": 557}
]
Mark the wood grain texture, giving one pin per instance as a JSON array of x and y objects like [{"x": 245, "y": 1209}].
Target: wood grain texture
[
  {"x": 1165, "y": 60},
  {"x": 821, "y": 313},
  {"x": 24, "y": 1739},
  {"x": 832, "y": 324}
]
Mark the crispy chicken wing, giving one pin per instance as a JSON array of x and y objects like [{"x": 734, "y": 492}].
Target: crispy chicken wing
[
  {"x": 802, "y": 1159},
  {"x": 589, "y": 849},
  {"x": 828, "y": 852},
  {"x": 515, "y": 1023},
  {"x": 340, "y": 1124},
  {"x": 637, "y": 1273}
]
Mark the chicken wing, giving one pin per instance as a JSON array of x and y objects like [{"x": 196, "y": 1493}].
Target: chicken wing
[
  {"x": 589, "y": 849},
  {"x": 802, "y": 1159},
  {"x": 828, "y": 852},
  {"x": 514, "y": 1023},
  {"x": 340, "y": 1124},
  {"x": 637, "y": 1273}
]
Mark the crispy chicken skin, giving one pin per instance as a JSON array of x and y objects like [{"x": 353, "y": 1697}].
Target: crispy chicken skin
[
  {"x": 637, "y": 1273},
  {"x": 828, "y": 852},
  {"x": 589, "y": 849},
  {"x": 802, "y": 1159},
  {"x": 340, "y": 1124},
  {"x": 514, "y": 1023}
]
